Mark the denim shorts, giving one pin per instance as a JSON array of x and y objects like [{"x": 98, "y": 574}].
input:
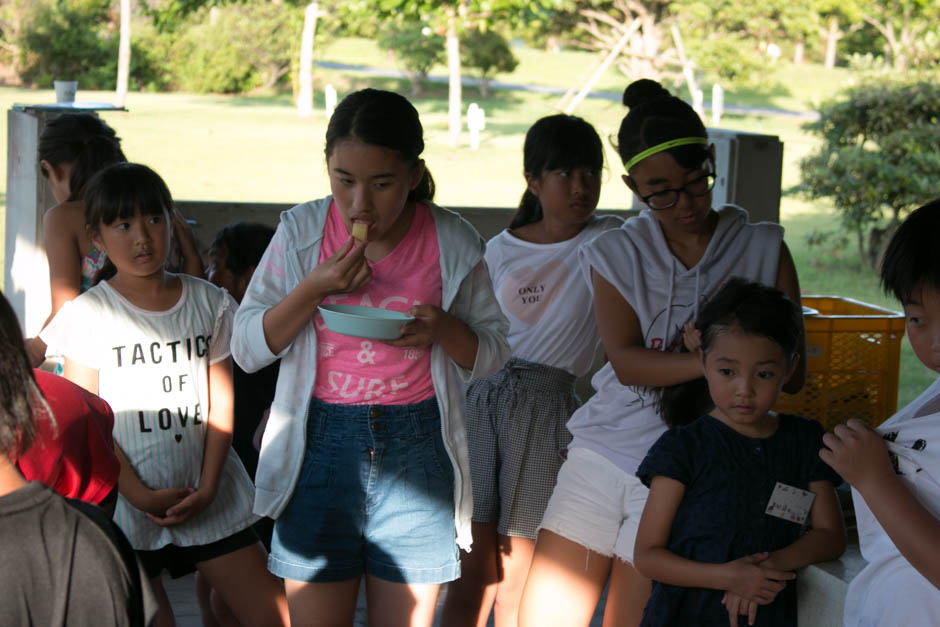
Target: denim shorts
[{"x": 375, "y": 495}]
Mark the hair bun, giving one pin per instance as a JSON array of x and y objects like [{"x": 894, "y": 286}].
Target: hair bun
[{"x": 643, "y": 90}]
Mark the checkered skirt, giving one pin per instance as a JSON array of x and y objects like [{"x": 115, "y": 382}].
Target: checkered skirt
[{"x": 518, "y": 439}]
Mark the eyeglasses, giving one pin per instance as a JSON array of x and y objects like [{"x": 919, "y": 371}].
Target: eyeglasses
[{"x": 669, "y": 197}]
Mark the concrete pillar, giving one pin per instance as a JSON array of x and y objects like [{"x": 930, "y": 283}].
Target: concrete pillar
[
  {"x": 25, "y": 269},
  {"x": 25, "y": 272}
]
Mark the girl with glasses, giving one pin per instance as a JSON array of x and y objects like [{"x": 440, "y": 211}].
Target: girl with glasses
[{"x": 647, "y": 279}]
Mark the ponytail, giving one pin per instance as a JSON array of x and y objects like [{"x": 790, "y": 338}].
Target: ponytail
[
  {"x": 529, "y": 211},
  {"x": 682, "y": 403},
  {"x": 424, "y": 190}
]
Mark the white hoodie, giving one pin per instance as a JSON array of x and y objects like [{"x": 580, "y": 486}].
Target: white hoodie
[
  {"x": 619, "y": 421},
  {"x": 467, "y": 294}
]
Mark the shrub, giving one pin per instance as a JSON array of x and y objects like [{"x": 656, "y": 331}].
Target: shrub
[
  {"x": 67, "y": 40},
  {"x": 731, "y": 60},
  {"x": 879, "y": 156},
  {"x": 418, "y": 49},
  {"x": 487, "y": 52},
  {"x": 237, "y": 48},
  {"x": 78, "y": 40}
]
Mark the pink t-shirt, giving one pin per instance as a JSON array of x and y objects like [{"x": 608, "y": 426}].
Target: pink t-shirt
[{"x": 357, "y": 371}]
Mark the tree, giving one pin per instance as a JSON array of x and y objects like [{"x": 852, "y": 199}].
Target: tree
[
  {"x": 66, "y": 40},
  {"x": 451, "y": 17},
  {"x": 488, "y": 52},
  {"x": 879, "y": 157},
  {"x": 729, "y": 40},
  {"x": 169, "y": 15},
  {"x": 646, "y": 23},
  {"x": 723, "y": 37},
  {"x": 901, "y": 23},
  {"x": 238, "y": 47},
  {"x": 417, "y": 48},
  {"x": 305, "y": 78},
  {"x": 124, "y": 54}
]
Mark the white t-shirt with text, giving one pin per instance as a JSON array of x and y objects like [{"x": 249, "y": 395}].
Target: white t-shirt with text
[
  {"x": 153, "y": 369},
  {"x": 543, "y": 294}
]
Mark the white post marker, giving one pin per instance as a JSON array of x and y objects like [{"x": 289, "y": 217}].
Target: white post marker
[
  {"x": 476, "y": 122},
  {"x": 329, "y": 94},
  {"x": 698, "y": 101},
  {"x": 718, "y": 103}
]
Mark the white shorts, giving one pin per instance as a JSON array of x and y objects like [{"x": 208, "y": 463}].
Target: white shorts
[{"x": 596, "y": 504}]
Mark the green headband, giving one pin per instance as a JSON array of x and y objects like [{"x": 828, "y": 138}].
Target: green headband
[{"x": 672, "y": 143}]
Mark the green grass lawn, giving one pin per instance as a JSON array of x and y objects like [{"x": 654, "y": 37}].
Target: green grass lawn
[{"x": 255, "y": 148}]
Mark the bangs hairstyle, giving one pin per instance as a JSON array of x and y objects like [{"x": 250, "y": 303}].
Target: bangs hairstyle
[
  {"x": 121, "y": 190},
  {"x": 21, "y": 402},
  {"x": 382, "y": 118},
  {"x": 656, "y": 116},
  {"x": 743, "y": 306},
  {"x": 912, "y": 258},
  {"x": 556, "y": 142}
]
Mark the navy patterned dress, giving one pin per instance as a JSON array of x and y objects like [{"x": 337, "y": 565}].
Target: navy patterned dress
[{"x": 729, "y": 479}]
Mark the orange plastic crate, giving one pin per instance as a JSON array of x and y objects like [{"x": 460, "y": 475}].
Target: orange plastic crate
[{"x": 853, "y": 353}]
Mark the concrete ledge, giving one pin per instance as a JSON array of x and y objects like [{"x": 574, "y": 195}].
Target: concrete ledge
[
  {"x": 821, "y": 589},
  {"x": 212, "y": 216}
]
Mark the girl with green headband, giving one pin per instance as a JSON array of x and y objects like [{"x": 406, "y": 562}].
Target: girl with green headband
[{"x": 647, "y": 279}]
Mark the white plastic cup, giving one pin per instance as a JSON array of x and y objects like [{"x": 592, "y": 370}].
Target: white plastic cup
[{"x": 65, "y": 90}]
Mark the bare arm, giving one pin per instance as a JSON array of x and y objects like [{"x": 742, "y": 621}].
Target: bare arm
[
  {"x": 859, "y": 454},
  {"x": 434, "y": 325},
  {"x": 472, "y": 332},
  {"x": 620, "y": 332},
  {"x": 129, "y": 484},
  {"x": 80, "y": 375},
  {"x": 823, "y": 542},
  {"x": 220, "y": 423},
  {"x": 342, "y": 272},
  {"x": 153, "y": 502},
  {"x": 654, "y": 560},
  {"x": 192, "y": 260},
  {"x": 65, "y": 269},
  {"x": 64, "y": 256},
  {"x": 789, "y": 284},
  {"x": 458, "y": 340}
]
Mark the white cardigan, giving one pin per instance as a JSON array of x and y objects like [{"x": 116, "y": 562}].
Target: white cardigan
[{"x": 467, "y": 293}]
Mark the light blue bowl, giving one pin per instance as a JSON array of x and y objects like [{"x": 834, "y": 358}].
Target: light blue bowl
[{"x": 367, "y": 322}]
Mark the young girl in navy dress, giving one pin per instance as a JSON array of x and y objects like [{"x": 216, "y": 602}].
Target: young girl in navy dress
[
  {"x": 363, "y": 461},
  {"x": 722, "y": 532},
  {"x": 155, "y": 346},
  {"x": 516, "y": 418}
]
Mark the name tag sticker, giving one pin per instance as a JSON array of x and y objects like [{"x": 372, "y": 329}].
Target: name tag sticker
[{"x": 790, "y": 503}]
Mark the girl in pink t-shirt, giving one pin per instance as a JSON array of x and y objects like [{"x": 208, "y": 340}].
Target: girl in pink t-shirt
[{"x": 364, "y": 462}]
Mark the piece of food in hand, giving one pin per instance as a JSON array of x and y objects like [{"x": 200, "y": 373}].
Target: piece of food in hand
[{"x": 360, "y": 231}]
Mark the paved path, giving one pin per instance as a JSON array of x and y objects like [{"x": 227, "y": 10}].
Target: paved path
[{"x": 545, "y": 89}]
